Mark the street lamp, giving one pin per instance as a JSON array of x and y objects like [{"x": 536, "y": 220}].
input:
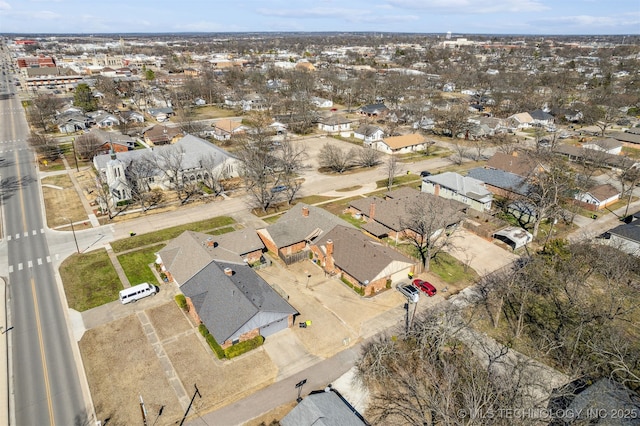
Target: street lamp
[{"x": 73, "y": 230}]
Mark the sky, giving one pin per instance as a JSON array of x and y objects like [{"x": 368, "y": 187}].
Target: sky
[{"x": 548, "y": 17}]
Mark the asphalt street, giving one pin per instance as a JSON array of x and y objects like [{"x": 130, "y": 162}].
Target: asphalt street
[{"x": 44, "y": 385}]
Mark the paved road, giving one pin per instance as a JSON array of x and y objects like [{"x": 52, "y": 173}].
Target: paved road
[{"x": 44, "y": 385}]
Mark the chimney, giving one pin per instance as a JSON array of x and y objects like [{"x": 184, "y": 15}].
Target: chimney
[
  {"x": 228, "y": 271},
  {"x": 328, "y": 264},
  {"x": 305, "y": 211},
  {"x": 436, "y": 190},
  {"x": 372, "y": 210}
]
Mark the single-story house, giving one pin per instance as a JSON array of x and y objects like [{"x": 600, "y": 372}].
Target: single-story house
[
  {"x": 321, "y": 102},
  {"x": 609, "y": 146},
  {"x": 521, "y": 120},
  {"x": 628, "y": 138},
  {"x": 517, "y": 163},
  {"x": 600, "y": 158},
  {"x": 402, "y": 144},
  {"x": 132, "y": 116},
  {"x": 363, "y": 262},
  {"x": 541, "y": 118},
  {"x": 626, "y": 237},
  {"x": 161, "y": 114},
  {"x": 386, "y": 217},
  {"x": 222, "y": 291},
  {"x": 298, "y": 228},
  {"x": 162, "y": 135},
  {"x": 323, "y": 408},
  {"x": 504, "y": 184},
  {"x": 72, "y": 121},
  {"x": 598, "y": 197},
  {"x": 334, "y": 124},
  {"x": 106, "y": 141},
  {"x": 368, "y": 133},
  {"x": 224, "y": 129},
  {"x": 465, "y": 189},
  {"x": 374, "y": 110},
  {"x": 106, "y": 119}
]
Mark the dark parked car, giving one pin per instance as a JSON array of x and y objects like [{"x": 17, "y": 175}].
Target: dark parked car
[
  {"x": 425, "y": 173},
  {"x": 425, "y": 286}
]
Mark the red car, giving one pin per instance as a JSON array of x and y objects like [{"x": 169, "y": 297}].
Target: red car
[{"x": 426, "y": 287}]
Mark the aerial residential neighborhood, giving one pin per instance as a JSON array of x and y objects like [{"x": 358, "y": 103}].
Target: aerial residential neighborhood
[{"x": 306, "y": 228}]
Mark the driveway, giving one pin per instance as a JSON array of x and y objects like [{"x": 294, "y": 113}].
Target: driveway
[{"x": 482, "y": 255}]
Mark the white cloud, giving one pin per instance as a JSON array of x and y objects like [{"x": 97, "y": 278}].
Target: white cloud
[
  {"x": 316, "y": 12},
  {"x": 471, "y": 7},
  {"x": 4, "y": 5},
  {"x": 587, "y": 21}
]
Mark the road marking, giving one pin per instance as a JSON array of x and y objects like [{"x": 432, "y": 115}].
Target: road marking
[
  {"x": 17, "y": 236},
  {"x": 48, "y": 259},
  {"x": 30, "y": 264},
  {"x": 10, "y": 269},
  {"x": 8, "y": 237},
  {"x": 52, "y": 419},
  {"x": 34, "y": 232},
  {"x": 57, "y": 256},
  {"x": 39, "y": 261},
  {"x": 19, "y": 266},
  {"x": 42, "y": 230},
  {"x": 26, "y": 234}
]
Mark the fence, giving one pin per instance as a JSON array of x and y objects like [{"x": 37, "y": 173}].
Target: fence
[{"x": 290, "y": 259}]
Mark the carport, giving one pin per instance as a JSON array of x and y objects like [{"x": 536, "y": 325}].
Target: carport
[{"x": 514, "y": 237}]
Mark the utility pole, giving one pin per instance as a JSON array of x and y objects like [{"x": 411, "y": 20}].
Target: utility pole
[
  {"x": 197, "y": 392},
  {"x": 144, "y": 411},
  {"x": 299, "y": 387},
  {"x": 73, "y": 231}
]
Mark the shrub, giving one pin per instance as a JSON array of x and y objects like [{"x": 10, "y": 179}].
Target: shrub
[
  {"x": 215, "y": 347},
  {"x": 182, "y": 302},
  {"x": 388, "y": 285},
  {"x": 356, "y": 288},
  {"x": 243, "y": 347}
]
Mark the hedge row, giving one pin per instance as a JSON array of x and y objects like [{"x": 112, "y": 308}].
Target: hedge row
[
  {"x": 244, "y": 347},
  {"x": 356, "y": 288},
  {"x": 215, "y": 347}
]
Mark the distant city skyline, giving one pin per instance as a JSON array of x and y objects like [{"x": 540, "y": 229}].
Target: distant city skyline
[{"x": 548, "y": 17}]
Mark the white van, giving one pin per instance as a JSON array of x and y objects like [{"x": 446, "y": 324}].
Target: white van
[{"x": 137, "y": 292}]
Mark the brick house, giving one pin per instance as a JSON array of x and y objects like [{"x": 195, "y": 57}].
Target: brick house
[
  {"x": 301, "y": 226},
  {"x": 360, "y": 260},
  {"x": 386, "y": 216},
  {"x": 223, "y": 292}
]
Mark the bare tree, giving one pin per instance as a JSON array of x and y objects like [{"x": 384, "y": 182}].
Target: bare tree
[
  {"x": 429, "y": 226},
  {"x": 139, "y": 173},
  {"x": 171, "y": 162},
  {"x": 87, "y": 145},
  {"x": 42, "y": 111},
  {"x": 335, "y": 158},
  {"x": 453, "y": 121},
  {"x": 367, "y": 157},
  {"x": 393, "y": 167},
  {"x": 44, "y": 146}
]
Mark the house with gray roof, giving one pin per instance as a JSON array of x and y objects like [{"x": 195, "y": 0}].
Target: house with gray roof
[
  {"x": 223, "y": 292},
  {"x": 465, "y": 189},
  {"x": 198, "y": 160},
  {"x": 324, "y": 408},
  {"x": 598, "y": 197},
  {"x": 386, "y": 217},
  {"x": 500, "y": 182},
  {"x": 626, "y": 237},
  {"x": 368, "y": 133},
  {"x": 299, "y": 227},
  {"x": 364, "y": 262}
]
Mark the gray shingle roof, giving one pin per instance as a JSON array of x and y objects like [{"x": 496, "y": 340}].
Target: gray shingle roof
[
  {"x": 232, "y": 305},
  {"x": 501, "y": 179},
  {"x": 464, "y": 185},
  {"x": 293, "y": 227},
  {"x": 360, "y": 256},
  {"x": 195, "y": 149},
  {"x": 392, "y": 212},
  {"x": 322, "y": 409}
]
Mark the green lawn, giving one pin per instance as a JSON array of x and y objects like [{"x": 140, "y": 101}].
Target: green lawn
[
  {"x": 170, "y": 233},
  {"x": 136, "y": 264},
  {"x": 90, "y": 280},
  {"x": 399, "y": 180},
  {"x": 451, "y": 270},
  {"x": 221, "y": 231}
]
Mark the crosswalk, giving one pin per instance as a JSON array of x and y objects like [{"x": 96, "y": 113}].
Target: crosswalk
[
  {"x": 30, "y": 264},
  {"x": 24, "y": 234}
]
